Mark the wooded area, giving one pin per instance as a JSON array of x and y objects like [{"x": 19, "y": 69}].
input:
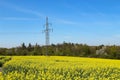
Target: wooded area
[{"x": 65, "y": 49}]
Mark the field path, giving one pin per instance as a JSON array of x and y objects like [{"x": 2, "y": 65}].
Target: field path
[{"x": 0, "y": 69}]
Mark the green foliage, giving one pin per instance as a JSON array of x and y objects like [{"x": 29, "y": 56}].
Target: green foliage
[
  {"x": 65, "y": 49},
  {"x": 4, "y": 59},
  {"x": 1, "y": 63}
]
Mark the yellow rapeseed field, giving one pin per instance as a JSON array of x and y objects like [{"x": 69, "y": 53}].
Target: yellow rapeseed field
[{"x": 60, "y": 68}]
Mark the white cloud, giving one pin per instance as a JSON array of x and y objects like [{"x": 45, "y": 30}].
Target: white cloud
[
  {"x": 28, "y": 11},
  {"x": 64, "y": 21},
  {"x": 18, "y": 18},
  {"x": 55, "y": 19},
  {"x": 21, "y": 9}
]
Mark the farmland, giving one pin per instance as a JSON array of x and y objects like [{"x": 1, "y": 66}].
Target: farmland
[{"x": 60, "y": 68}]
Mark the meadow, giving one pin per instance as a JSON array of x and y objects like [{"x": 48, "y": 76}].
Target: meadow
[{"x": 60, "y": 68}]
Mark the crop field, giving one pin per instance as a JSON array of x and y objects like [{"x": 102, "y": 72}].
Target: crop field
[{"x": 60, "y": 68}]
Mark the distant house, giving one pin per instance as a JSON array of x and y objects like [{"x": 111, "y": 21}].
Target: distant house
[{"x": 101, "y": 51}]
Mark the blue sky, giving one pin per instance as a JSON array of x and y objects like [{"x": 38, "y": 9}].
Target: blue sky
[{"x": 91, "y": 22}]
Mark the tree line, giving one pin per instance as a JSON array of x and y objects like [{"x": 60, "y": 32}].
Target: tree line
[{"x": 65, "y": 49}]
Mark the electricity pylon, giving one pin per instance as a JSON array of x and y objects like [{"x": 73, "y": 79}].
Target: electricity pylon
[{"x": 47, "y": 35}]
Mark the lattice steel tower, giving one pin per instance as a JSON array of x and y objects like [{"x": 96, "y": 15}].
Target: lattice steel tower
[{"x": 47, "y": 34}]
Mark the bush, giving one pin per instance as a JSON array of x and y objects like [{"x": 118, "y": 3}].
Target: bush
[
  {"x": 4, "y": 59},
  {"x": 1, "y": 63}
]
